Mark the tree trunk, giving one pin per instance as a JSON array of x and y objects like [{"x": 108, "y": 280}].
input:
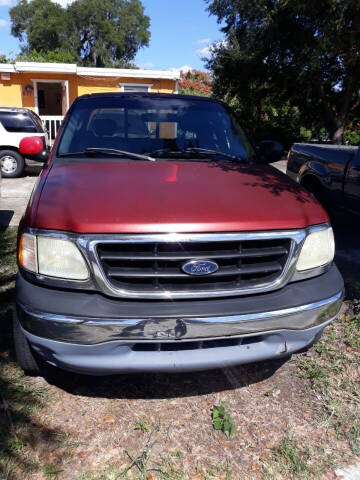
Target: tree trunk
[{"x": 338, "y": 135}]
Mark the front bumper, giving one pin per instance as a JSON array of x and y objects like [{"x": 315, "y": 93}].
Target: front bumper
[{"x": 103, "y": 335}]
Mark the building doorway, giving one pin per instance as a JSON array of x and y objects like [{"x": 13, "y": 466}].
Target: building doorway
[{"x": 51, "y": 98}]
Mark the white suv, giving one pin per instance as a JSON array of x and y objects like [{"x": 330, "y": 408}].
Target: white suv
[{"x": 16, "y": 124}]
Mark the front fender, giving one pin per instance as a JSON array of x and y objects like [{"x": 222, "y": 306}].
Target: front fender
[{"x": 315, "y": 169}]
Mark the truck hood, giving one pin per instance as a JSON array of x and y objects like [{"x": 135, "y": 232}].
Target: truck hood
[{"x": 107, "y": 196}]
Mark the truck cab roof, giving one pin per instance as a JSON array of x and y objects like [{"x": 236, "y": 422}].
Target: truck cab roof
[{"x": 150, "y": 95}]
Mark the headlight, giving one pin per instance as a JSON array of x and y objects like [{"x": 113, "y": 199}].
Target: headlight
[
  {"x": 318, "y": 249},
  {"x": 53, "y": 257}
]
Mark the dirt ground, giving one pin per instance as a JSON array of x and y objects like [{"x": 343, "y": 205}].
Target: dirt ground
[{"x": 294, "y": 419}]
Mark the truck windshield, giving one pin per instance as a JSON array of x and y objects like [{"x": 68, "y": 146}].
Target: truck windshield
[{"x": 159, "y": 127}]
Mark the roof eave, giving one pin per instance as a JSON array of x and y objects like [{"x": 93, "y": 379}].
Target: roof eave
[{"x": 68, "y": 68}]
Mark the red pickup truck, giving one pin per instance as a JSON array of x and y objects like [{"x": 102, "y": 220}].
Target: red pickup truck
[{"x": 158, "y": 238}]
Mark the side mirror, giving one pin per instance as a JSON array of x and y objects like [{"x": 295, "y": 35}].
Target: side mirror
[
  {"x": 31, "y": 146},
  {"x": 271, "y": 151}
]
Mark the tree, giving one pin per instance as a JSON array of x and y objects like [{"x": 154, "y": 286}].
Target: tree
[
  {"x": 41, "y": 25},
  {"x": 99, "y": 33},
  {"x": 195, "y": 82},
  {"x": 298, "y": 54},
  {"x": 109, "y": 32}
]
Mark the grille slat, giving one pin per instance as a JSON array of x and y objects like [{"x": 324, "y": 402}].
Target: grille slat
[
  {"x": 268, "y": 267},
  {"x": 247, "y": 253},
  {"x": 154, "y": 267}
]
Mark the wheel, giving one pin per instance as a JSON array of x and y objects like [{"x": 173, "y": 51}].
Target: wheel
[
  {"x": 12, "y": 163},
  {"x": 313, "y": 185},
  {"x": 25, "y": 356}
]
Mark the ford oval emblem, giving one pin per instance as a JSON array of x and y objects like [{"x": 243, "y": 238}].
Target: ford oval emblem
[{"x": 200, "y": 267}]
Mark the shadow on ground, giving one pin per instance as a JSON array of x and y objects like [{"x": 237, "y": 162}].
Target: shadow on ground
[
  {"x": 157, "y": 386},
  {"x": 33, "y": 169},
  {"x": 20, "y": 399},
  {"x": 5, "y": 217}
]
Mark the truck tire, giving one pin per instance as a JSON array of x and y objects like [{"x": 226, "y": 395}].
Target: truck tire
[
  {"x": 314, "y": 186},
  {"x": 24, "y": 354},
  {"x": 12, "y": 163}
]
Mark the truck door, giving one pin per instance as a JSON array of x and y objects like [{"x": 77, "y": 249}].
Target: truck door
[{"x": 352, "y": 184}]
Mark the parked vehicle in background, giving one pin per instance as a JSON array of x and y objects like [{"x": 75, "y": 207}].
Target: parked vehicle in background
[
  {"x": 15, "y": 124},
  {"x": 330, "y": 172},
  {"x": 158, "y": 239}
]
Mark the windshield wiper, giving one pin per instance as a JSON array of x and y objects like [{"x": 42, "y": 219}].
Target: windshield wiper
[
  {"x": 207, "y": 151},
  {"x": 191, "y": 150},
  {"x": 166, "y": 151},
  {"x": 108, "y": 151}
]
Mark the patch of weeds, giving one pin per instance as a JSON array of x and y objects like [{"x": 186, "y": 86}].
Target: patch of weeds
[
  {"x": 354, "y": 440},
  {"x": 331, "y": 368},
  {"x": 19, "y": 405},
  {"x": 51, "y": 471},
  {"x": 269, "y": 393},
  {"x": 169, "y": 470},
  {"x": 177, "y": 454},
  {"x": 214, "y": 471},
  {"x": 108, "y": 472},
  {"x": 8, "y": 466},
  {"x": 142, "y": 426},
  {"x": 352, "y": 332},
  {"x": 312, "y": 370},
  {"x": 222, "y": 420},
  {"x": 16, "y": 444},
  {"x": 64, "y": 440},
  {"x": 21, "y": 399},
  {"x": 289, "y": 461}
]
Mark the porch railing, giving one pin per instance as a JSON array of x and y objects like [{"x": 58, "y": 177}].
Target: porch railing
[{"x": 52, "y": 124}]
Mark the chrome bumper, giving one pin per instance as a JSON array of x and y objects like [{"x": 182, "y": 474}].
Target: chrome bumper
[{"x": 92, "y": 330}]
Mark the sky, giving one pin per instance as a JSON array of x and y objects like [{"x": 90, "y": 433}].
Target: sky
[{"x": 181, "y": 33}]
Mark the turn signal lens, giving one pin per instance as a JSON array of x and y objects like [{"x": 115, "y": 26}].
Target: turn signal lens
[
  {"x": 61, "y": 258},
  {"x": 27, "y": 257},
  {"x": 318, "y": 249}
]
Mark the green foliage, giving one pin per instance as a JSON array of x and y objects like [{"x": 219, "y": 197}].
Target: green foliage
[
  {"x": 299, "y": 56},
  {"x": 42, "y": 24},
  {"x": 290, "y": 459},
  {"x": 4, "y": 59},
  {"x": 100, "y": 33},
  {"x": 222, "y": 420},
  {"x": 267, "y": 120},
  {"x": 108, "y": 32},
  {"x": 58, "y": 55},
  {"x": 352, "y": 134},
  {"x": 16, "y": 444},
  {"x": 142, "y": 426}
]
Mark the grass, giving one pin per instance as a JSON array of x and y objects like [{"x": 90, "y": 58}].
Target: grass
[
  {"x": 292, "y": 460},
  {"x": 331, "y": 372},
  {"x": 20, "y": 399}
]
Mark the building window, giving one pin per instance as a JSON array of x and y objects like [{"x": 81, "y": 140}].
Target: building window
[{"x": 133, "y": 87}]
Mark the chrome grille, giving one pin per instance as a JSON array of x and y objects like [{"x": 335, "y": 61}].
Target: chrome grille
[{"x": 153, "y": 269}]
